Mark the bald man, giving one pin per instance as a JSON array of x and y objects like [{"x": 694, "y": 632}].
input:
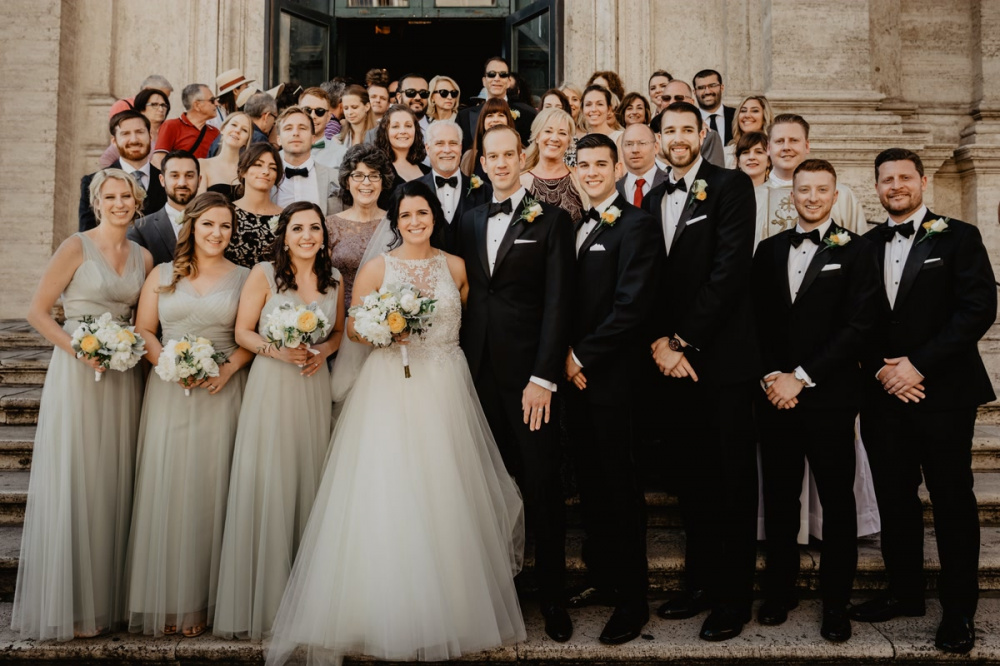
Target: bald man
[
  {"x": 639, "y": 148},
  {"x": 711, "y": 147}
]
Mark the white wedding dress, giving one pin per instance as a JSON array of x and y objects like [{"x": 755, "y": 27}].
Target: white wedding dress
[{"x": 417, "y": 529}]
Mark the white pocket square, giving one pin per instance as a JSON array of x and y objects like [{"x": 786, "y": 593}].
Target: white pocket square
[
  {"x": 831, "y": 267},
  {"x": 932, "y": 260},
  {"x": 597, "y": 247},
  {"x": 695, "y": 219},
  {"x": 518, "y": 241}
]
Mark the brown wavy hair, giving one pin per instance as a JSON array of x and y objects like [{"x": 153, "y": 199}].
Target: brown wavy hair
[
  {"x": 284, "y": 273},
  {"x": 489, "y": 107},
  {"x": 247, "y": 159},
  {"x": 185, "y": 261},
  {"x": 417, "y": 152}
]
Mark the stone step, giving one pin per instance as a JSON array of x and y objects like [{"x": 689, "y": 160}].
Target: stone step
[
  {"x": 19, "y": 404},
  {"x": 18, "y": 334},
  {"x": 16, "y": 444},
  {"x": 13, "y": 496},
  {"x": 25, "y": 366}
]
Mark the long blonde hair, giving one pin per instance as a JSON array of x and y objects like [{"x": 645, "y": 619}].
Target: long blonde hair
[
  {"x": 544, "y": 117},
  {"x": 768, "y": 116},
  {"x": 233, "y": 116},
  {"x": 185, "y": 261}
]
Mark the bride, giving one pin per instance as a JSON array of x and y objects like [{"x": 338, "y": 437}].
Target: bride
[{"x": 417, "y": 530}]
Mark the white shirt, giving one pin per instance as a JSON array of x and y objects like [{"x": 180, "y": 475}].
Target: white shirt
[
  {"x": 447, "y": 195},
  {"x": 631, "y": 179},
  {"x": 896, "y": 252},
  {"x": 589, "y": 225},
  {"x": 174, "y": 216},
  {"x": 673, "y": 204},
  {"x": 144, "y": 170},
  {"x": 299, "y": 189},
  {"x": 720, "y": 119},
  {"x": 800, "y": 257},
  {"x": 777, "y": 182}
]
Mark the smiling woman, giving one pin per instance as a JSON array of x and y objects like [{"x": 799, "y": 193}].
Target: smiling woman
[{"x": 547, "y": 177}]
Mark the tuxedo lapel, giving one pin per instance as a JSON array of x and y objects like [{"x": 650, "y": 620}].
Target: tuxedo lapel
[
  {"x": 819, "y": 260},
  {"x": 690, "y": 206},
  {"x": 591, "y": 238},
  {"x": 914, "y": 260},
  {"x": 781, "y": 247},
  {"x": 514, "y": 229},
  {"x": 481, "y": 220}
]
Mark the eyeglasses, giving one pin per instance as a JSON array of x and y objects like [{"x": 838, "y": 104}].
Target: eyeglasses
[
  {"x": 157, "y": 105},
  {"x": 210, "y": 100},
  {"x": 637, "y": 144},
  {"x": 493, "y": 75},
  {"x": 447, "y": 93},
  {"x": 707, "y": 87},
  {"x": 319, "y": 113},
  {"x": 359, "y": 177},
  {"x": 411, "y": 93}
]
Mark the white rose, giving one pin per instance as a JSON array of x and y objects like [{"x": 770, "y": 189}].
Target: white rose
[{"x": 409, "y": 304}]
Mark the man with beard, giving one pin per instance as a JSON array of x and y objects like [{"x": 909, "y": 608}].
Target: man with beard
[
  {"x": 130, "y": 134},
  {"x": 711, "y": 145},
  {"x": 708, "y": 87},
  {"x": 158, "y": 232},
  {"x": 705, "y": 349},
  {"x": 414, "y": 93}
]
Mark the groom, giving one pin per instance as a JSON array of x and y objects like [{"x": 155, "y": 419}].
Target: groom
[{"x": 519, "y": 257}]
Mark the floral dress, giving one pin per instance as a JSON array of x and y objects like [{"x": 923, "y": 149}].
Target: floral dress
[{"x": 253, "y": 236}]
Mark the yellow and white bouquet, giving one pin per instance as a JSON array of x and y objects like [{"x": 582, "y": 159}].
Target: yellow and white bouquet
[
  {"x": 189, "y": 360},
  {"x": 390, "y": 311},
  {"x": 296, "y": 325},
  {"x": 112, "y": 341}
]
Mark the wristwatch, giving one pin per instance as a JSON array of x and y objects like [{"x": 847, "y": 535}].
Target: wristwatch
[{"x": 675, "y": 345}]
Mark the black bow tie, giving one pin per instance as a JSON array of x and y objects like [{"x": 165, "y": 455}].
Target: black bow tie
[
  {"x": 798, "y": 237},
  {"x": 904, "y": 230},
  {"x": 673, "y": 187},
  {"x": 442, "y": 181},
  {"x": 504, "y": 207},
  {"x": 592, "y": 214},
  {"x": 292, "y": 173}
]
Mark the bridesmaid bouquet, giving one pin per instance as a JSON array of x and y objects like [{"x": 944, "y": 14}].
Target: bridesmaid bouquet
[
  {"x": 392, "y": 310},
  {"x": 295, "y": 325},
  {"x": 189, "y": 360},
  {"x": 113, "y": 342}
]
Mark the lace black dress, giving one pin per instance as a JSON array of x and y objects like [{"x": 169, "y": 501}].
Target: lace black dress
[{"x": 253, "y": 236}]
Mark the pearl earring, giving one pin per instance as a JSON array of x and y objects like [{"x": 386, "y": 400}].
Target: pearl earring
[{"x": 286, "y": 247}]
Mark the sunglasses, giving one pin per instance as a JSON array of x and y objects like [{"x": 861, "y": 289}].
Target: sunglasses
[
  {"x": 319, "y": 113},
  {"x": 210, "y": 100},
  {"x": 422, "y": 94},
  {"x": 447, "y": 93},
  {"x": 676, "y": 98},
  {"x": 493, "y": 75}
]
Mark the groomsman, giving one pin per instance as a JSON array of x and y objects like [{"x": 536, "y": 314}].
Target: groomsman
[
  {"x": 706, "y": 349},
  {"x": 816, "y": 291},
  {"x": 618, "y": 248},
  {"x": 519, "y": 256},
  {"x": 925, "y": 380},
  {"x": 455, "y": 192},
  {"x": 158, "y": 231},
  {"x": 304, "y": 179}
]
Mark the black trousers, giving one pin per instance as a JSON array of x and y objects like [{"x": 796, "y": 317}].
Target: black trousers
[
  {"x": 826, "y": 438},
  {"x": 901, "y": 443},
  {"x": 712, "y": 456},
  {"x": 533, "y": 459},
  {"x": 611, "y": 497}
]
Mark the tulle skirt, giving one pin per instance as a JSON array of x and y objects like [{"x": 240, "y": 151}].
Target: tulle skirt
[
  {"x": 69, "y": 576},
  {"x": 182, "y": 484},
  {"x": 281, "y": 444},
  {"x": 417, "y": 529}
]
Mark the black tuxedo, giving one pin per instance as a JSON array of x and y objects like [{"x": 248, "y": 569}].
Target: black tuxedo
[
  {"x": 726, "y": 132},
  {"x": 469, "y": 117},
  {"x": 516, "y": 326},
  {"x": 447, "y": 235},
  {"x": 704, "y": 298},
  {"x": 156, "y": 198},
  {"x": 615, "y": 294},
  {"x": 155, "y": 233},
  {"x": 824, "y": 331},
  {"x": 945, "y": 303}
]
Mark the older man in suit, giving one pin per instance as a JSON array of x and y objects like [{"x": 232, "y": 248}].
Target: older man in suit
[
  {"x": 158, "y": 231},
  {"x": 639, "y": 148}
]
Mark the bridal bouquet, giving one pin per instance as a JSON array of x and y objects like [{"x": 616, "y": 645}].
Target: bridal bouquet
[
  {"x": 189, "y": 360},
  {"x": 295, "y": 325},
  {"x": 111, "y": 341},
  {"x": 392, "y": 310}
]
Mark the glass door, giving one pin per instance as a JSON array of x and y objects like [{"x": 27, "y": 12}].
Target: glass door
[
  {"x": 301, "y": 37},
  {"x": 532, "y": 47}
]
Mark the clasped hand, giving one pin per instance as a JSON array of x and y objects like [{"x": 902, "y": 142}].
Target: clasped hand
[
  {"x": 307, "y": 358},
  {"x": 672, "y": 363},
  {"x": 901, "y": 379},
  {"x": 783, "y": 390}
]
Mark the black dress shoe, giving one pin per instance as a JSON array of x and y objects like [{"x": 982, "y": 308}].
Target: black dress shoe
[
  {"x": 887, "y": 608},
  {"x": 687, "y": 605},
  {"x": 589, "y": 596},
  {"x": 772, "y": 613},
  {"x": 723, "y": 624},
  {"x": 957, "y": 634},
  {"x": 558, "y": 626},
  {"x": 626, "y": 624},
  {"x": 836, "y": 625}
]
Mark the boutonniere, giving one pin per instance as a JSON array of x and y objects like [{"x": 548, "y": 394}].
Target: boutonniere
[
  {"x": 272, "y": 223},
  {"x": 610, "y": 216},
  {"x": 515, "y": 113},
  {"x": 474, "y": 184},
  {"x": 839, "y": 238},
  {"x": 935, "y": 227},
  {"x": 699, "y": 190},
  {"x": 532, "y": 209}
]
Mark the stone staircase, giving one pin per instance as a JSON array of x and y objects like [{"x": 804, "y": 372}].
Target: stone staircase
[{"x": 24, "y": 358}]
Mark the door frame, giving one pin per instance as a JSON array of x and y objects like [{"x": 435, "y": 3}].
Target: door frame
[{"x": 554, "y": 8}]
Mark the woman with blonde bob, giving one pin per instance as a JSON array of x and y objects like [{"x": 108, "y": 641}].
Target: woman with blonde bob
[
  {"x": 546, "y": 176},
  {"x": 69, "y": 578},
  {"x": 445, "y": 95}
]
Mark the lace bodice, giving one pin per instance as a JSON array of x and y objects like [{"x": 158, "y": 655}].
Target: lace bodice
[
  {"x": 432, "y": 278},
  {"x": 348, "y": 242},
  {"x": 328, "y": 303}
]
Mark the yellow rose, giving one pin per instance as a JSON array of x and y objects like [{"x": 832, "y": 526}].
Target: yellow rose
[
  {"x": 182, "y": 346},
  {"x": 90, "y": 344},
  {"x": 530, "y": 217},
  {"x": 701, "y": 196},
  {"x": 396, "y": 322},
  {"x": 203, "y": 341},
  {"x": 126, "y": 335},
  {"x": 307, "y": 321}
]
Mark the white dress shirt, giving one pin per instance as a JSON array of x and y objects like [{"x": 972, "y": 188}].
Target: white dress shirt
[
  {"x": 800, "y": 257},
  {"x": 673, "y": 204},
  {"x": 720, "y": 120},
  {"x": 174, "y": 216},
  {"x": 631, "y": 178},
  {"x": 589, "y": 225},
  {"x": 144, "y": 170},
  {"x": 447, "y": 195},
  {"x": 896, "y": 252},
  {"x": 299, "y": 188}
]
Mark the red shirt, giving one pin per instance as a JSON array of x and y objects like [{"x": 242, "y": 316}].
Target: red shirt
[
  {"x": 180, "y": 134},
  {"x": 121, "y": 105}
]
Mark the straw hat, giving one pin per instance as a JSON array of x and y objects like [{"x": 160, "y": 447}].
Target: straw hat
[
  {"x": 250, "y": 91},
  {"x": 230, "y": 80}
]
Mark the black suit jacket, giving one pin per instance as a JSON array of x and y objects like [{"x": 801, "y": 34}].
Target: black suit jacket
[
  {"x": 156, "y": 198},
  {"x": 704, "y": 295},
  {"x": 827, "y": 328},
  {"x": 616, "y": 281},
  {"x": 946, "y": 302},
  {"x": 520, "y": 314},
  {"x": 469, "y": 116},
  {"x": 446, "y": 236},
  {"x": 155, "y": 233},
  {"x": 728, "y": 113},
  {"x": 658, "y": 178}
]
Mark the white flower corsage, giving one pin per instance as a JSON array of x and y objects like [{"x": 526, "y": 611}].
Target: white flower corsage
[
  {"x": 935, "y": 227},
  {"x": 839, "y": 238},
  {"x": 532, "y": 209},
  {"x": 610, "y": 216}
]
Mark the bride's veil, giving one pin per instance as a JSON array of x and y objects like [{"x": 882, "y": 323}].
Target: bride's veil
[{"x": 352, "y": 355}]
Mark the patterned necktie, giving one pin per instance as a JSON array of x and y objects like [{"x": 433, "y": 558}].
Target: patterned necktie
[
  {"x": 139, "y": 179},
  {"x": 637, "y": 197}
]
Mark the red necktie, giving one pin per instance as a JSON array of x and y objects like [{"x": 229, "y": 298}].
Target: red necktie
[{"x": 637, "y": 197}]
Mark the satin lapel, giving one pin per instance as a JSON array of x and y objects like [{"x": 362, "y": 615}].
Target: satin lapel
[
  {"x": 822, "y": 257},
  {"x": 880, "y": 244},
  {"x": 690, "y": 206},
  {"x": 781, "y": 247},
  {"x": 514, "y": 230},
  {"x": 601, "y": 228},
  {"x": 480, "y": 225},
  {"x": 915, "y": 260}
]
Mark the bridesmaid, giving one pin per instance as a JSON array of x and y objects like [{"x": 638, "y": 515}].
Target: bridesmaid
[
  {"x": 186, "y": 443},
  {"x": 69, "y": 578},
  {"x": 280, "y": 449}
]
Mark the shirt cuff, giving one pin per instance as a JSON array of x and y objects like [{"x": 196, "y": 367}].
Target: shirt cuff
[
  {"x": 575, "y": 359},
  {"x": 543, "y": 383},
  {"x": 804, "y": 377},
  {"x": 879, "y": 371}
]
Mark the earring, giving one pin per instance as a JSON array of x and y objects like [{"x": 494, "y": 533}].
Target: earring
[
  {"x": 322, "y": 246},
  {"x": 286, "y": 248}
]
